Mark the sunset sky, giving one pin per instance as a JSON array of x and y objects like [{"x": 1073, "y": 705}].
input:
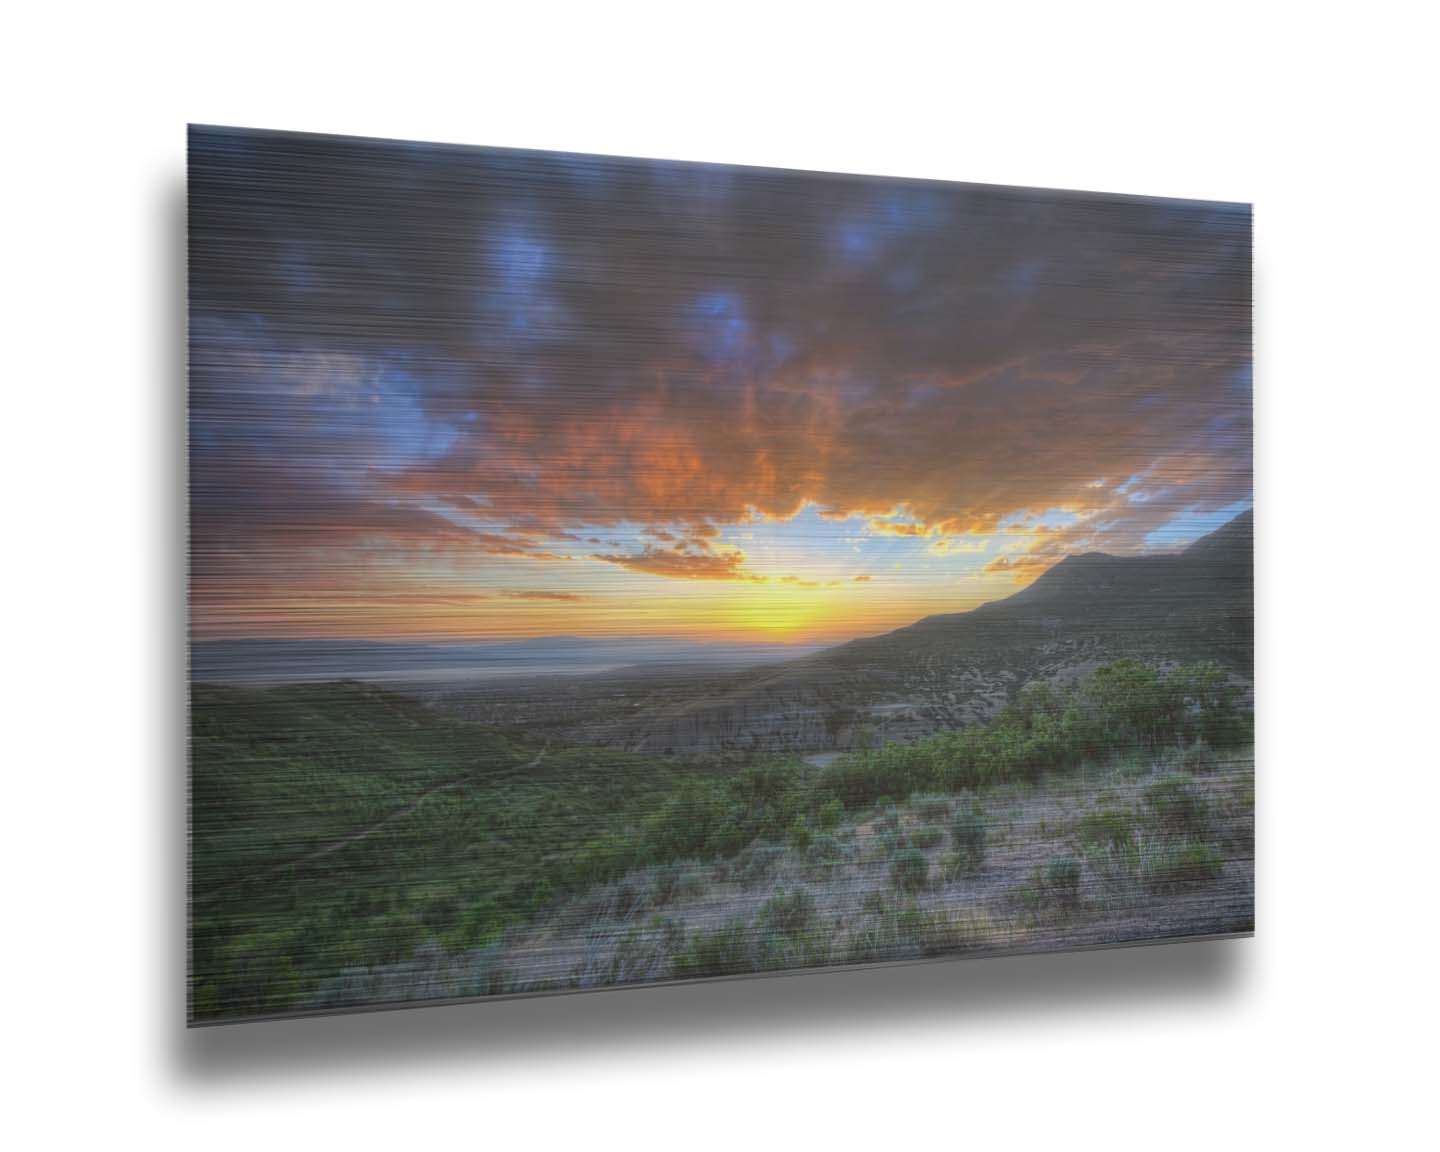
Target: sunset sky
[{"x": 441, "y": 392}]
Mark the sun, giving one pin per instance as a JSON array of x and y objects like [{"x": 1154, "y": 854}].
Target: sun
[{"x": 778, "y": 609}]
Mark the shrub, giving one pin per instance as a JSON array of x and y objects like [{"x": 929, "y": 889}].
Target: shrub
[
  {"x": 667, "y": 884},
  {"x": 825, "y": 852},
  {"x": 800, "y": 834},
  {"x": 933, "y": 808},
  {"x": 639, "y": 954},
  {"x": 1057, "y": 885},
  {"x": 627, "y": 899},
  {"x": 754, "y": 866},
  {"x": 720, "y": 952},
  {"x": 926, "y": 836},
  {"x": 1176, "y": 804},
  {"x": 945, "y": 932},
  {"x": 1109, "y": 828},
  {"x": 1117, "y": 707},
  {"x": 1198, "y": 757},
  {"x": 910, "y": 870},
  {"x": 967, "y": 833},
  {"x": 1062, "y": 878},
  {"x": 909, "y": 931},
  {"x": 954, "y": 865},
  {"x": 1190, "y": 862},
  {"x": 788, "y": 912},
  {"x": 890, "y": 934},
  {"x": 830, "y": 814}
]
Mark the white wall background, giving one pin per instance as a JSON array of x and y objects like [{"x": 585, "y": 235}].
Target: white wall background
[{"x": 1320, "y": 1031}]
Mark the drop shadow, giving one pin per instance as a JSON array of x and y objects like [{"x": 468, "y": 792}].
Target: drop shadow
[
  {"x": 950, "y": 994},
  {"x": 170, "y": 609}
]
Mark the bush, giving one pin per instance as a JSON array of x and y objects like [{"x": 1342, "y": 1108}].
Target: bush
[
  {"x": 1190, "y": 862},
  {"x": 910, "y": 931},
  {"x": 954, "y": 865},
  {"x": 1176, "y": 804},
  {"x": 1198, "y": 757},
  {"x": 933, "y": 808},
  {"x": 627, "y": 899},
  {"x": 1057, "y": 884},
  {"x": 825, "y": 852},
  {"x": 721, "y": 952},
  {"x": 754, "y": 866},
  {"x": 926, "y": 836},
  {"x": 830, "y": 814},
  {"x": 910, "y": 870},
  {"x": 788, "y": 913},
  {"x": 1044, "y": 728},
  {"x": 1110, "y": 828},
  {"x": 675, "y": 880},
  {"x": 800, "y": 834},
  {"x": 667, "y": 884},
  {"x": 968, "y": 834},
  {"x": 890, "y": 934},
  {"x": 945, "y": 932}
]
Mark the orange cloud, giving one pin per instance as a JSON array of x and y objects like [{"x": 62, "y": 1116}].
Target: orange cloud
[
  {"x": 898, "y": 528},
  {"x": 684, "y": 565}
]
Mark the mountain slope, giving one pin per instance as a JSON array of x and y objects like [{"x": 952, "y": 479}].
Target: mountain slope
[{"x": 945, "y": 671}]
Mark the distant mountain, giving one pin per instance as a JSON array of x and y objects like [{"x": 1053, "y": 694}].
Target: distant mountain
[
  {"x": 1195, "y": 603},
  {"x": 944, "y": 671},
  {"x": 271, "y": 661}
]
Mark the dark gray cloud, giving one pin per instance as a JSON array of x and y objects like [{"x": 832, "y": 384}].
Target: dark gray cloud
[{"x": 442, "y": 347}]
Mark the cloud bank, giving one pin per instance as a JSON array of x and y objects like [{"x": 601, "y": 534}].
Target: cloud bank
[{"x": 407, "y": 354}]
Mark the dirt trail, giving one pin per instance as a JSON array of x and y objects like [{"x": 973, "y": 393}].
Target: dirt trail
[{"x": 356, "y": 837}]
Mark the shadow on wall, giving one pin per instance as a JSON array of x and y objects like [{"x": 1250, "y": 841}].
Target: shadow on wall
[{"x": 948, "y": 995}]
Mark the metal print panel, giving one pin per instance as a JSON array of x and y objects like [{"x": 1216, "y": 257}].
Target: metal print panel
[{"x": 612, "y": 571}]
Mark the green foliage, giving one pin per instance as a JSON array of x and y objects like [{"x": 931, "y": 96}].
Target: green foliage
[
  {"x": 753, "y": 867},
  {"x": 1056, "y": 885},
  {"x": 824, "y": 853},
  {"x": 968, "y": 835},
  {"x": 721, "y": 951},
  {"x": 1062, "y": 877},
  {"x": 1177, "y": 805},
  {"x": 906, "y": 930},
  {"x": 366, "y": 824},
  {"x": 910, "y": 871},
  {"x": 887, "y": 934},
  {"x": 926, "y": 836},
  {"x": 1198, "y": 757},
  {"x": 1109, "y": 828},
  {"x": 1047, "y": 728},
  {"x": 785, "y": 934},
  {"x": 788, "y": 912},
  {"x": 1183, "y": 863},
  {"x": 933, "y": 808},
  {"x": 338, "y": 826},
  {"x": 670, "y": 881},
  {"x": 800, "y": 834}
]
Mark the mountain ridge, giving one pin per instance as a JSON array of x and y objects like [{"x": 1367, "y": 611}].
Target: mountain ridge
[{"x": 952, "y": 669}]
